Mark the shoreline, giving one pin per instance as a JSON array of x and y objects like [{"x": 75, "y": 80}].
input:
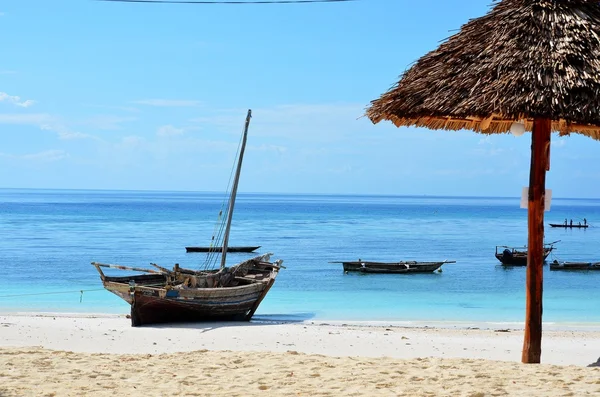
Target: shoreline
[
  {"x": 416, "y": 324},
  {"x": 114, "y": 334}
]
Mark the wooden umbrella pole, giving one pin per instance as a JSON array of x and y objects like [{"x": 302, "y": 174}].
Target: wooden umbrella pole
[{"x": 540, "y": 151}]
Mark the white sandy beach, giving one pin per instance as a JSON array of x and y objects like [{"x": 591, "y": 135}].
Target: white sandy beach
[{"x": 73, "y": 355}]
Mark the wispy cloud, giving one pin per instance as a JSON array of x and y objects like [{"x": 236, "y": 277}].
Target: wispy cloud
[
  {"x": 45, "y": 156},
  {"x": 302, "y": 122},
  {"x": 132, "y": 141},
  {"x": 15, "y": 100},
  {"x": 168, "y": 102},
  {"x": 268, "y": 148},
  {"x": 36, "y": 119},
  {"x": 44, "y": 122},
  {"x": 169, "y": 130},
  {"x": 130, "y": 109},
  {"x": 107, "y": 122},
  {"x": 8, "y": 71}
]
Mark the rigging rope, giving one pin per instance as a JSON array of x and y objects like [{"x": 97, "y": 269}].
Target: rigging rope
[
  {"x": 217, "y": 241},
  {"x": 81, "y": 291}
]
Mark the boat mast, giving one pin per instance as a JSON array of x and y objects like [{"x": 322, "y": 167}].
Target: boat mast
[{"x": 234, "y": 189}]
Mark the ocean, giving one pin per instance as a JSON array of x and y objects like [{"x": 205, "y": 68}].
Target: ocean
[{"x": 49, "y": 237}]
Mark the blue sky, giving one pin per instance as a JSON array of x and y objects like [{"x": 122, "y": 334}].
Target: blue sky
[{"x": 98, "y": 95}]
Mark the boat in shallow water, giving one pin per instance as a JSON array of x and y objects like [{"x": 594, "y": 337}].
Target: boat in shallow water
[
  {"x": 392, "y": 267},
  {"x": 220, "y": 249},
  {"x": 517, "y": 256},
  {"x": 570, "y": 226},
  {"x": 556, "y": 265}
]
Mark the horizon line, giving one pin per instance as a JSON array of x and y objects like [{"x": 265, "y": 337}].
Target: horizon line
[{"x": 286, "y": 193}]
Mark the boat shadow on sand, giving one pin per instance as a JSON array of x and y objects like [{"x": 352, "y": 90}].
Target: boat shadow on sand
[{"x": 257, "y": 320}]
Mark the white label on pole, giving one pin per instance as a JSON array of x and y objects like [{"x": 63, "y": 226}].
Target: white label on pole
[{"x": 525, "y": 198}]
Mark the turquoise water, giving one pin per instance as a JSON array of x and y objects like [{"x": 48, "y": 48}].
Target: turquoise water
[{"x": 49, "y": 237}]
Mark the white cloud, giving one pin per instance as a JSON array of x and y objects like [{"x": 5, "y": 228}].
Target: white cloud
[
  {"x": 129, "y": 109},
  {"x": 44, "y": 122},
  {"x": 490, "y": 152},
  {"x": 169, "y": 130},
  {"x": 46, "y": 156},
  {"x": 268, "y": 148},
  {"x": 559, "y": 143},
  {"x": 66, "y": 135},
  {"x": 132, "y": 142},
  {"x": 301, "y": 122},
  {"x": 15, "y": 100},
  {"x": 168, "y": 102},
  {"x": 25, "y": 119},
  {"x": 107, "y": 122}
]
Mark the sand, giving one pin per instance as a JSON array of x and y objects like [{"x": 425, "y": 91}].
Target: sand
[{"x": 73, "y": 355}]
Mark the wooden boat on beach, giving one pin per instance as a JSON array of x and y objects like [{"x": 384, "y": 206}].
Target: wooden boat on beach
[
  {"x": 161, "y": 295},
  {"x": 556, "y": 265},
  {"x": 220, "y": 249},
  {"x": 183, "y": 295},
  {"x": 517, "y": 256},
  {"x": 392, "y": 267}
]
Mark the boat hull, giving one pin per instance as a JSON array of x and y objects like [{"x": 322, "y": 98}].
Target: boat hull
[
  {"x": 518, "y": 258},
  {"x": 568, "y": 226},
  {"x": 575, "y": 266},
  {"x": 391, "y": 267},
  {"x": 183, "y": 295},
  {"x": 220, "y": 249},
  {"x": 156, "y": 306}
]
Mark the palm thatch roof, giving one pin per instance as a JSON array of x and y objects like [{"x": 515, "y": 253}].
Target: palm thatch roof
[{"x": 525, "y": 59}]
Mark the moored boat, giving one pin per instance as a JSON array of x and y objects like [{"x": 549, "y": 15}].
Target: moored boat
[
  {"x": 556, "y": 265},
  {"x": 517, "y": 256},
  {"x": 392, "y": 267},
  {"x": 220, "y": 249}
]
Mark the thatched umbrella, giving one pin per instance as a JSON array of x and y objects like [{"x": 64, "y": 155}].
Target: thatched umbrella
[{"x": 529, "y": 65}]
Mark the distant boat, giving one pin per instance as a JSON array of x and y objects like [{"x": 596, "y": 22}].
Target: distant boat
[
  {"x": 556, "y": 265},
  {"x": 392, "y": 267},
  {"x": 220, "y": 249},
  {"x": 517, "y": 256},
  {"x": 578, "y": 226}
]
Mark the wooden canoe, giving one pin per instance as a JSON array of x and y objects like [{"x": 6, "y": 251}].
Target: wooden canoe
[
  {"x": 569, "y": 226},
  {"x": 392, "y": 267},
  {"x": 556, "y": 265},
  {"x": 219, "y": 249}
]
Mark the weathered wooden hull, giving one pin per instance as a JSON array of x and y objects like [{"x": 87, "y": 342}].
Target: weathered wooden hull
[
  {"x": 569, "y": 226},
  {"x": 184, "y": 295},
  {"x": 155, "y": 306},
  {"x": 120, "y": 285},
  {"x": 220, "y": 249},
  {"x": 580, "y": 266},
  {"x": 392, "y": 267},
  {"x": 518, "y": 258}
]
